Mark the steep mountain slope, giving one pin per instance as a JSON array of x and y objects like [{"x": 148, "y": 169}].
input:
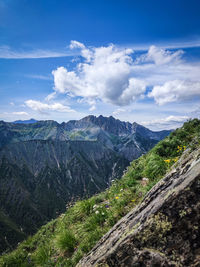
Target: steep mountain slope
[
  {"x": 45, "y": 165},
  {"x": 38, "y": 178},
  {"x": 19, "y": 213},
  {"x": 162, "y": 231},
  {"x": 164, "y": 227}
]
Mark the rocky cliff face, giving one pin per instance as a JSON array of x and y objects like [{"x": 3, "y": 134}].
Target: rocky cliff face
[{"x": 164, "y": 230}]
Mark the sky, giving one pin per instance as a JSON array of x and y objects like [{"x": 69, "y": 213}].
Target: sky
[{"x": 134, "y": 60}]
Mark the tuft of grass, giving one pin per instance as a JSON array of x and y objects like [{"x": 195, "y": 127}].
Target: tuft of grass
[
  {"x": 41, "y": 256},
  {"x": 64, "y": 241}
]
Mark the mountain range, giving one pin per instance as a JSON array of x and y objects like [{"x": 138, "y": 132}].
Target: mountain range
[
  {"x": 45, "y": 166},
  {"x": 25, "y": 121}
]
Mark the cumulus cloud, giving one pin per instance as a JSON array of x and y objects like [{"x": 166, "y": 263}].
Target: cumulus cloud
[
  {"x": 161, "y": 56},
  {"x": 106, "y": 74},
  {"x": 176, "y": 90},
  {"x": 111, "y": 75},
  {"x": 45, "y": 107}
]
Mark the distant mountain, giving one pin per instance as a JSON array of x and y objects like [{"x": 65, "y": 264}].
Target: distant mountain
[
  {"x": 25, "y": 121},
  {"x": 128, "y": 140},
  {"x": 45, "y": 165}
]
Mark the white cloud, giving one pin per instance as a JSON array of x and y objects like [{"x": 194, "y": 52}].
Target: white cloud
[
  {"x": 111, "y": 75},
  {"x": 92, "y": 108},
  {"x": 177, "y": 90},
  {"x": 50, "y": 96},
  {"x": 7, "y": 52},
  {"x": 105, "y": 74},
  {"x": 20, "y": 113},
  {"x": 39, "y": 77},
  {"x": 195, "y": 113},
  {"x": 118, "y": 111},
  {"x": 76, "y": 44},
  {"x": 44, "y": 107},
  {"x": 90, "y": 101},
  {"x": 11, "y": 116},
  {"x": 170, "y": 122},
  {"x": 161, "y": 56},
  {"x": 175, "y": 44}
]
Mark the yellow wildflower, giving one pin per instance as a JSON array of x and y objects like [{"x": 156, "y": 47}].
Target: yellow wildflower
[
  {"x": 175, "y": 159},
  {"x": 116, "y": 197}
]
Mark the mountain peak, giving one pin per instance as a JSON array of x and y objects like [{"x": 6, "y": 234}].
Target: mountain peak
[{"x": 109, "y": 124}]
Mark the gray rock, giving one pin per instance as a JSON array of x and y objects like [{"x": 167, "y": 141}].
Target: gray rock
[{"x": 164, "y": 230}]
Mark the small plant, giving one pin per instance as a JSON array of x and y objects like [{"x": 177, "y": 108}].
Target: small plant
[
  {"x": 182, "y": 213},
  {"x": 66, "y": 241},
  {"x": 41, "y": 255},
  {"x": 155, "y": 167}
]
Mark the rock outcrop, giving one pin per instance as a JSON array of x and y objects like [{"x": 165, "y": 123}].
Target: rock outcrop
[{"x": 163, "y": 230}]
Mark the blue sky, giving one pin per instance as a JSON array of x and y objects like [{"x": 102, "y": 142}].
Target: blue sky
[{"x": 135, "y": 60}]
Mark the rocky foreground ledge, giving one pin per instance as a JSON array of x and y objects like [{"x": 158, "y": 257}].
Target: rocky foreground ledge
[{"x": 164, "y": 230}]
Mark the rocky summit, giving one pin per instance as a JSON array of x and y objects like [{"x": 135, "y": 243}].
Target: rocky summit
[{"x": 163, "y": 230}]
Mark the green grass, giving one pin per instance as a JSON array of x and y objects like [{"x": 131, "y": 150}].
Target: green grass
[{"x": 64, "y": 241}]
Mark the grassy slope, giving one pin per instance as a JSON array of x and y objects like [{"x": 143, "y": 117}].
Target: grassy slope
[{"x": 62, "y": 242}]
